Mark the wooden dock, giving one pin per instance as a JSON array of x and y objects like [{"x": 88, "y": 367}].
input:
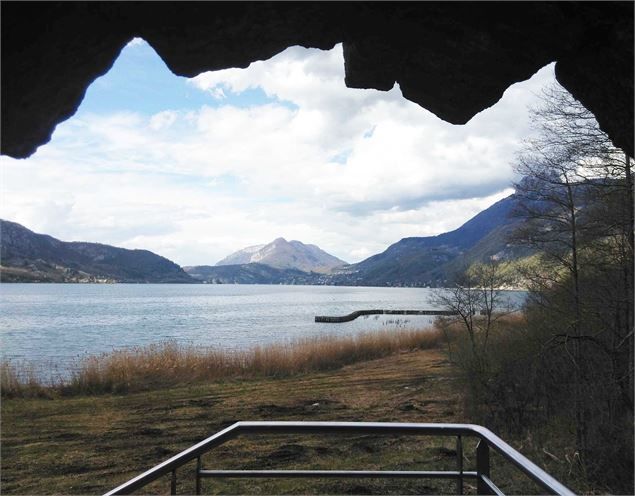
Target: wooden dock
[{"x": 360, "y": 313}]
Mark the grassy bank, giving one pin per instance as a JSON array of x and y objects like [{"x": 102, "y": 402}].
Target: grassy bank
[
  {"x": 89, "y": 444},
  {"x": 123, "y": 412},
  {"x": 168, "y": 364}
]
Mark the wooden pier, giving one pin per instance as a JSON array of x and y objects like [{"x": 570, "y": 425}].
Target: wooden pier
[{"x": 359, "y": 313}]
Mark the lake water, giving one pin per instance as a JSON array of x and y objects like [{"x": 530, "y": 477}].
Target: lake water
[{"x": 51, "y": 325}]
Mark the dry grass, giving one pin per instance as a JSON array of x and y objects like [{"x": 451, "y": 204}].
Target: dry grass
[
  {"x": 89, "y": 444},
  {"x": 170, "y": 363},
  {"x": 22, "y": 381}
]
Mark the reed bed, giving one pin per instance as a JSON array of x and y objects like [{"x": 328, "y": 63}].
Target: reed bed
[{"x": 170, "y": 363}]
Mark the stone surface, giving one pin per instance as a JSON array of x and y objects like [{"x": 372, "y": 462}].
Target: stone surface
[{"x": 453, "y": 58}]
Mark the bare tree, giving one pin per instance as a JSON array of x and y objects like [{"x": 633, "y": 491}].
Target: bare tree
[
  {"x": 576, "y": 198},
  {"x": 479, "y": 301}
]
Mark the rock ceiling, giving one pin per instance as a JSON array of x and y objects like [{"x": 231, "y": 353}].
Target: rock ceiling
[{"x": 453, "y": 58}]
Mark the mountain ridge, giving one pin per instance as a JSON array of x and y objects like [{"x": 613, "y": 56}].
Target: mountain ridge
[
  {"x": 420, "y": 260},
  {"x": 29, "y": 256},
  {"x": 412, "y": 261},
  {"x": 242, "y": 256},
  {"x": 253, "y": 273},
  {"x": 283, "y": 254}
]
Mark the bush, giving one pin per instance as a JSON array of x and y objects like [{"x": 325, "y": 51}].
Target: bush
[{"x": 522, "y": 384}]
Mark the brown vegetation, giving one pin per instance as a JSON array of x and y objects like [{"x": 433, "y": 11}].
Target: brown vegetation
[
  {"x": 521, "y": 384},
  {"x": 108, "y": 438},
  {"x": 90, "y": 444},
  {"x": 170, "y": 363}
]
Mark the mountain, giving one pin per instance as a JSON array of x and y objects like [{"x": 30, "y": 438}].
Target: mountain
[
  {"x": 27, "y": 256},
  {"x": 241, "y": 256},
  {"x": 283, "y": 254},
  {"x": 415, "y": 261},
  {"x": 434, "y": 260},
  {"x": 253, "y": 273}
]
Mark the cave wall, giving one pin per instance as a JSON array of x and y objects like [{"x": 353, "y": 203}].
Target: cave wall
[{"x": 452, "y": 58}]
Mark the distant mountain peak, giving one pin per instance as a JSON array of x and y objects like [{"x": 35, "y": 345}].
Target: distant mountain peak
[{"x": 283, "y": 254}]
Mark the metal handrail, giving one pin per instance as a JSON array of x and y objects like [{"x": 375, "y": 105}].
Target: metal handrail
[{"x": 487, "y": 440}]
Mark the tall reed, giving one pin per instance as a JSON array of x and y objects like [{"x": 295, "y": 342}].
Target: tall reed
[{"x": 170, "y": 363}]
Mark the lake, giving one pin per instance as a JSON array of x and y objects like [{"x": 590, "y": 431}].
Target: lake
[{"x": 51, "y": 325}]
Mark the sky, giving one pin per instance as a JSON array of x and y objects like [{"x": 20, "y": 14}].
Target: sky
[{"x": 194, "y": 169}]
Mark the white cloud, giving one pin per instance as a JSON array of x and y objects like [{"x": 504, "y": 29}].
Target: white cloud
[
  {"x": 163, "y": 120},
  {"x": 195, "y": 185}
]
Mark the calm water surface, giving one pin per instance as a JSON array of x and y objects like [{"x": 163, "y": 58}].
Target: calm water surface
[{"x": 51, "y": 325}]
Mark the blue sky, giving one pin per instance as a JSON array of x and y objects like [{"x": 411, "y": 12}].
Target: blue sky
[
  {"x": 139, "y": 81},
  {"x": 194, "y": 169}
]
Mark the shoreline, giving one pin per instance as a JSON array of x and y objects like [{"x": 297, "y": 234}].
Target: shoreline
[
  {"x": 166, "y": 364},
  {"x": 203, "y": 283}
]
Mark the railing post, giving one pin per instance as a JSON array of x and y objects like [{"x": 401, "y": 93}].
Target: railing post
[
  {"x": 173, "y": 482},
  {"x": 459, "y": 464},
  {"x": 482, "y": 466},
  {"x": 198, "y": 475}
]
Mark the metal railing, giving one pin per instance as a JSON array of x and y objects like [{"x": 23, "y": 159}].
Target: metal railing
[{"x": 486, "y": 440}]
